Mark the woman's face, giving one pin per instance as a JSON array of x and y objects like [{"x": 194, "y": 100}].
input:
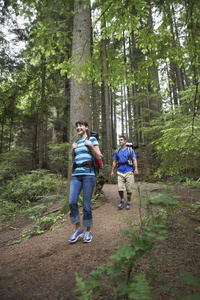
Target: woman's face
[{"x": 81, "y": 129}]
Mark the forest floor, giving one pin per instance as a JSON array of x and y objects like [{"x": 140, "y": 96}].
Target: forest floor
[{"x": 44, "y": 267}]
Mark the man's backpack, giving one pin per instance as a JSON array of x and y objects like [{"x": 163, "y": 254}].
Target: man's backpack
[{"x": 129, "y": 162}]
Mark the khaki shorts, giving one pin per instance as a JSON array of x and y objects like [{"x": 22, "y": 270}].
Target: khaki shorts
[{"x": 126, "y": 181}]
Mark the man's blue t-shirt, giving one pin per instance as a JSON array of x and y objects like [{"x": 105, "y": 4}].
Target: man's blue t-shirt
[{"x": 123, "y": 156}]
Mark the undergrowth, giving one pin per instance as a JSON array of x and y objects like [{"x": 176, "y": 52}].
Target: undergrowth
[
  {"x": 18, "y": 196},
  {"x": 121, "y": 278},
  {"x": 41, "y": 224}
]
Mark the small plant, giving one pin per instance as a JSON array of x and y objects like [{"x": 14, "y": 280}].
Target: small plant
[
  {"x": 19, "y": 195},
  {"x": 122, "y": 276},
  {"x": 31, "y": 186},
  {"x": 195, "y": 211},
  {"x": 198, "y": 230},
  {"x": 36, "y": 210},
  {"x": 190, "y": 279},
  {"x": 165, "y": 200},
  {"x": 58, "y": 155},
  {"x": 8, "y": 209},
  {"x": 192, "y": 183},
  {"x": 40, "y": 225},
  {"x": 12, "y": 163}
]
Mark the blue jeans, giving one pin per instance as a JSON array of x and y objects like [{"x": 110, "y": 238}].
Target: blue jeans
[{"x": 87, "y": 183}]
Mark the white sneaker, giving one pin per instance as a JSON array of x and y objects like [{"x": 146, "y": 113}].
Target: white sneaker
[{"x": 87, "y": 237}]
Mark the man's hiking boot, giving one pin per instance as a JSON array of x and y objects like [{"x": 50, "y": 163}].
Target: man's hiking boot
[
  {"x": 121, "y": 204},
  {"x": 87, "y": 237},
  {"x": 128, "y": 206},
  {"x": 76, "y": 234}
]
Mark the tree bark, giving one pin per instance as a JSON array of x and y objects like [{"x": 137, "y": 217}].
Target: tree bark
[
  {"x": 80, "y": 96},
  {"x": 41, "y": 115}
]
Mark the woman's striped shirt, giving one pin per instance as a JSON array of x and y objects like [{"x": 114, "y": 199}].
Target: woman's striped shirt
[{"x": 81, "y": 155}]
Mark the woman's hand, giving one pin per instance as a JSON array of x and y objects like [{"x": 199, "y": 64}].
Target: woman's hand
[
  {"x": 74, "y": 145},
  {"x": 88, "y": 143},
  {"x": 95, "y": 149}
]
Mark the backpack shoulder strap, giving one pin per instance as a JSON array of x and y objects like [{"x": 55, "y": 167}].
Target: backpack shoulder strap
[
  {"x": 117, "y": 150},
  {"x": 130, "y": 152}
]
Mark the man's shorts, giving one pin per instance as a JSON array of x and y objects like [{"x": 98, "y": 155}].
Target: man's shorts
[{"x": 126, "y": 181}]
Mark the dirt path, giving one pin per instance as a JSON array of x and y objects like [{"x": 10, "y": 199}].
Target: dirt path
[{"x": 44, "y": 266}]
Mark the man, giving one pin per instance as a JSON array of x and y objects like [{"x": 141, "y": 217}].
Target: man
[{"x": 127, "y": 167}]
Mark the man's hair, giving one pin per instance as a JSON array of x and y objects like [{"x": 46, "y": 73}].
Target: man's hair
[{"x": 122, "y": 136}]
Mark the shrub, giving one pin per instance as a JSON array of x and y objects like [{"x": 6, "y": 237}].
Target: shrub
[
  {"x": 31, "y": 187},
  {"x": 13, "y": 162},
  {"x": 122, "y": 277},
  {"x": 58, "y": 156}
]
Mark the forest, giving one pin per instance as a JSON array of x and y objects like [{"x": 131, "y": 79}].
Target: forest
[{"x": 128, "y": 67}]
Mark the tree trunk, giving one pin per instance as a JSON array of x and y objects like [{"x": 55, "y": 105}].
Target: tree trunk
[
  {"x": 106, "y": 110},
  {"x": 41, "y": 116},
  {"x": 80, "y": 96},
  {"x": 66, "y": 115}
]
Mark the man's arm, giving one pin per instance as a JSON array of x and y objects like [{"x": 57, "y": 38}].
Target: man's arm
[
  {"x": 113, "y": 167},
  {"x": 135, "y": 165}
]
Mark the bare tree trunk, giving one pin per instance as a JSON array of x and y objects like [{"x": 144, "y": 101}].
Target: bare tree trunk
[
  {"x": 95, "y": 115},
  {"x": 41, "y": 116},
  {"x": 122, "y": 111},
  {"x": 2, "y": 133},
  {"x": 66, "y": 110},
  {"x": 80, "y": 96},
  {"x": 106, "y": 110},
  {"x": 81, "y": 54},
  {"x": 113, "y": 120}
]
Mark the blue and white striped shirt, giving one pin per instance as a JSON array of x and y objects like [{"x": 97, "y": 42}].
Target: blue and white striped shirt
[{"x": 81, "y": 155}]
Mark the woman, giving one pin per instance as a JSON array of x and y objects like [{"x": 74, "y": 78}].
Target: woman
[{"x": 83, "y": 178}]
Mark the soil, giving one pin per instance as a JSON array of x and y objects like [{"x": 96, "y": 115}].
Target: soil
[{"x": 44, "y": 266}]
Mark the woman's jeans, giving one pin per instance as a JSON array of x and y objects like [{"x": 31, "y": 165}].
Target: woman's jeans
[{"x": 87, "y": 183}]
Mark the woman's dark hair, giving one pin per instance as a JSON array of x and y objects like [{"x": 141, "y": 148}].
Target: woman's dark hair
[{"x": 85, "y": 123}]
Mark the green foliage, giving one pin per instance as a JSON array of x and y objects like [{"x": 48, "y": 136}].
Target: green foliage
[
  {"x": 123, "y": 279},
  {"x": 41, "y": 225},
  {"x": 31, "y": 187},
  {"x": 190, "y": 279},
  {"x": 105, "y": 173},
  {"x": 192, "y": 183},
  {"x": 19, "y": 195},
  {"x": 197, "y": 230},
  {"x": 36, "y": 210},
  {"x": 8, "y": 209},
  {"x": 195, "y": 214},
  {"x": 139, "y": 289},
  {"x": 59, "y": 157},
  {"x": 13, "y": 162},
  {"x": 175, "y": 139},
  {"x": 164, "y": 199}
]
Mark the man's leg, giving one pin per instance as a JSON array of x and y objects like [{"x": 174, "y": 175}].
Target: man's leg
[
  {"x": 130, "y": 181},
  {"x": 121, "y": 189},
  {"x": 121, "y": 195},
  {"x": 128, "y": 205},
  {"x": 129, "y": 196}
]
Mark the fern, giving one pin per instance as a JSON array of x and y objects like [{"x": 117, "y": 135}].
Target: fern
[
  {"x": 122, "y": 278},
  {"x": 139, "y": 288}
]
